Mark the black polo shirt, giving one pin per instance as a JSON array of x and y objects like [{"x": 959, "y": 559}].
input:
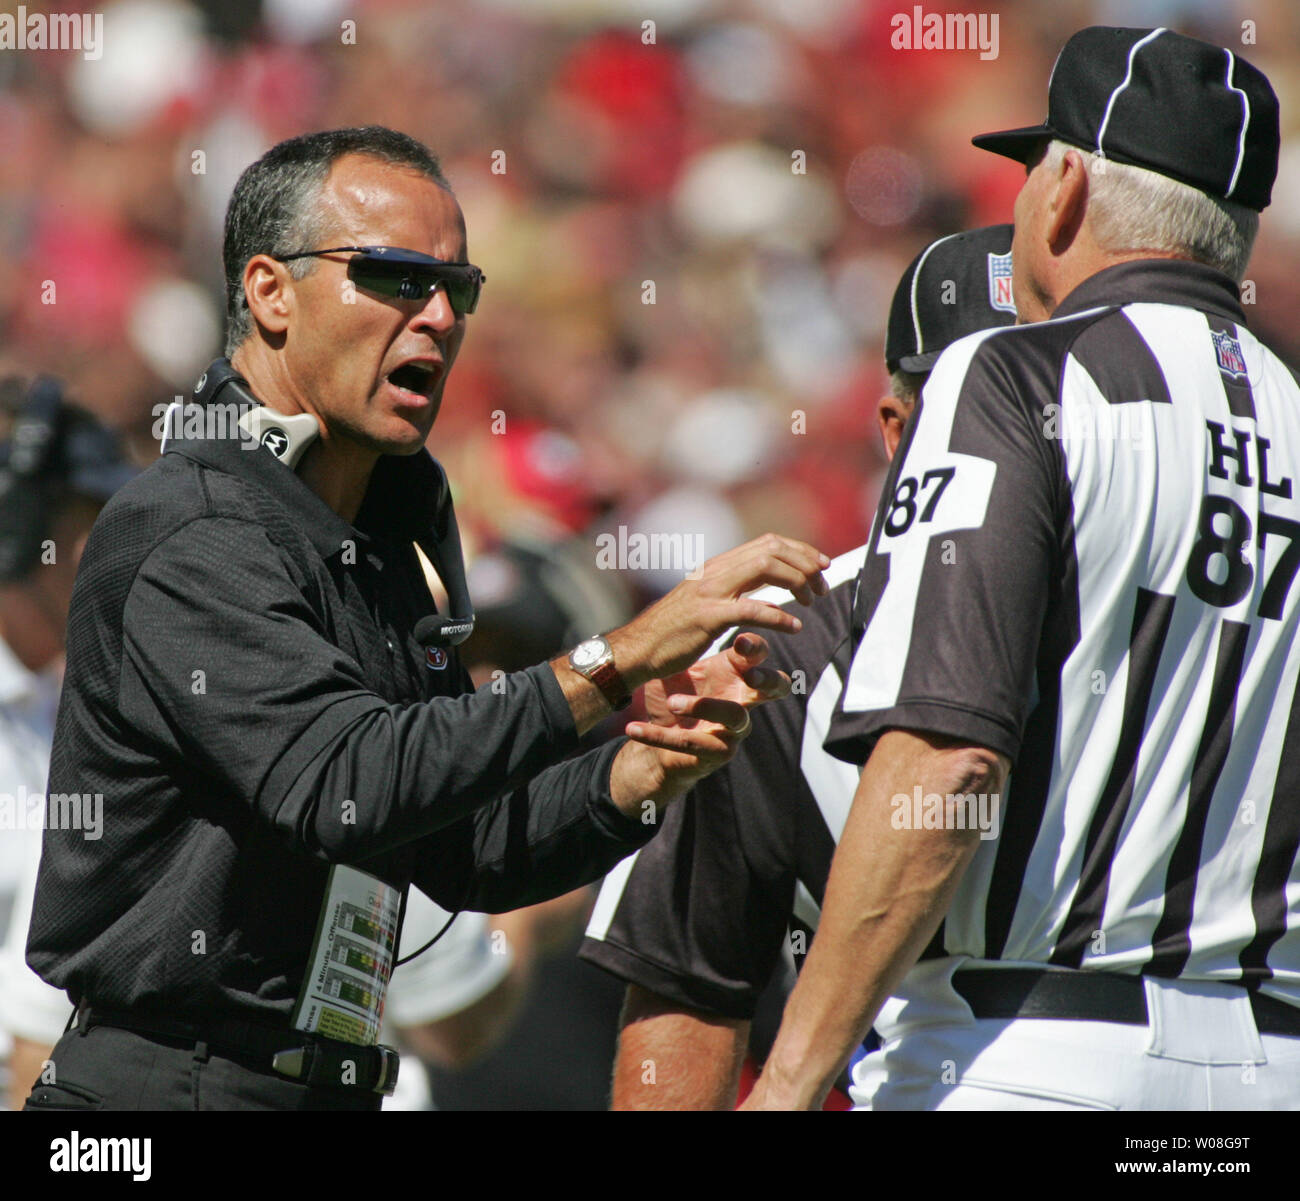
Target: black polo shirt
[{"x": 244, "y": 690}]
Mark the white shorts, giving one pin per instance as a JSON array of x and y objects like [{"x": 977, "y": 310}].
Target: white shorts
[{"x": 1200, "y": 1050}]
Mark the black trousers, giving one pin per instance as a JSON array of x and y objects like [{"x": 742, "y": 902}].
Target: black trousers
[{"x": 107, "y": 1068}]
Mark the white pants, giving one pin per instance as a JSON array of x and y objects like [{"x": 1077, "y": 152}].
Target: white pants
[{"x": 1199, "y": 1050}]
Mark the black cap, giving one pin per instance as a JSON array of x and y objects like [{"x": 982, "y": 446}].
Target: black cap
[
  {"x": 956, "y": 286},
  {"x": 53, "y": 448},
  {"x": 1151, "y": 98}
]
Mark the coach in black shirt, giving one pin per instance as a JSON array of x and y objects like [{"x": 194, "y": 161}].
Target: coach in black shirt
[{"x": 279, "y": 755}]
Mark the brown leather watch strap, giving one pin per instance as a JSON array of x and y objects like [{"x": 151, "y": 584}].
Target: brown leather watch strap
[{"x": 611, "y": 685}]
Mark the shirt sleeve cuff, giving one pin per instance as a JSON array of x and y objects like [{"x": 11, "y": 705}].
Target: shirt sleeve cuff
[
  {"x": 680, "y": 988},
  {"x": 853, "y": 736},
  {"x": 606, "y": 815},
  {"x": 555, "y": 704}
]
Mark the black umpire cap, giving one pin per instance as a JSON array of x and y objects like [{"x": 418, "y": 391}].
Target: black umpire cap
[
  {"x": 1151, "y": 98},
  {"x": 956, "y": 286},
  {"x": 53, "y": 449}
]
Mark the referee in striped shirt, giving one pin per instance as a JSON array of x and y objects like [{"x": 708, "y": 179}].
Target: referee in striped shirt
[
  {"x": 1068, "y": 878},
  {"x": 696, "y": 922}
]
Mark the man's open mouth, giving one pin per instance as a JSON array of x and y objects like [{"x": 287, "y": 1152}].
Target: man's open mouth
[{"x": 416, "y": 378}]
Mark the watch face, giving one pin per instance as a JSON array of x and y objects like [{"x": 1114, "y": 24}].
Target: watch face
[{"x": 589, "y": 653}]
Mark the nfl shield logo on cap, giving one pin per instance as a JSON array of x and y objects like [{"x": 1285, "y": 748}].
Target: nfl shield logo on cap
[
  {"x": 957, "y": 285},
  {"x": 1000, "y": 296},
  {"x": 1228, "y": 351}
]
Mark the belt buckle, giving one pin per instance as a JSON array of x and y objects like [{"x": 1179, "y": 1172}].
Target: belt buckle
[
  {"x": 293, "y": 1062},
  {"x": 389, "y": 1063}
]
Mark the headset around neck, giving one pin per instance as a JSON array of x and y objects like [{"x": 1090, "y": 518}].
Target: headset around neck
[{"x": 287, "y": 437}]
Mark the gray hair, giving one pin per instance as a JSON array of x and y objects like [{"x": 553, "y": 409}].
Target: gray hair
[
  {"x": 273, "y": 208},
  {"x": 1133, "y": 209},
  {"x": 906, "y": 385}
]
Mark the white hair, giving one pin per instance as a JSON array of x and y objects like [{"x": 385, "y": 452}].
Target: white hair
[
  {"x": 906, "y": 385},
  {"x": 1133, "y": 209}
]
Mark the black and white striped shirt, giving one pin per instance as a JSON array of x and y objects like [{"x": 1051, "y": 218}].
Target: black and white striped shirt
[
  {"x": 1086, "y": 561},
  {"x": 700, "y": 914}
]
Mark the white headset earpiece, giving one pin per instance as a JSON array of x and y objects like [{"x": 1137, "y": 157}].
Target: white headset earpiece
[{"x": 285, "y": 437}]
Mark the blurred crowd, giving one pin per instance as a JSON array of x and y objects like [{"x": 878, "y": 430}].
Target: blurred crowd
[
  {"x": 691, "y": 214},
  {"x": 761, "y": 169}
]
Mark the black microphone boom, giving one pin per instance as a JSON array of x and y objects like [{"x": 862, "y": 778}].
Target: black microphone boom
[{"x": 442, "y": 631}]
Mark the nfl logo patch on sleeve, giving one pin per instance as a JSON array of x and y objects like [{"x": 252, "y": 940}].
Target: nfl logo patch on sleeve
[{"x": 1000, "y": 296}]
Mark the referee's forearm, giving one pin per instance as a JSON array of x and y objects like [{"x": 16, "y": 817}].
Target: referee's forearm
[{"x": 887, "y": 893}]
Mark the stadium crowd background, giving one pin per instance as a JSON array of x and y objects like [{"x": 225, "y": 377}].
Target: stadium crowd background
[{"x": 769, "y": 166}]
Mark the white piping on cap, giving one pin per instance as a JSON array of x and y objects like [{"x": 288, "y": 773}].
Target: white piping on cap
[
  {"x": 1128, "y": 78},
  {"x": 1245, "y": 122},
  {"x": 916, "y": 278}
]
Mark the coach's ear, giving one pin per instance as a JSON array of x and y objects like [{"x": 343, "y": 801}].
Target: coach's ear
[
  {"x": 892, "y": 415},
  {"x": 268, "y": 289}
]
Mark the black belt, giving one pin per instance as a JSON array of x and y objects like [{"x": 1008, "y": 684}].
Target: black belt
[
  {"x": 308, "y": 1058},
  {"x": 1073, "y": 995}
]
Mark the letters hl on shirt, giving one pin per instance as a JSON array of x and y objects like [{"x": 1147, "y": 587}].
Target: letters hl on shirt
[{"x": 1085, "y": 559}]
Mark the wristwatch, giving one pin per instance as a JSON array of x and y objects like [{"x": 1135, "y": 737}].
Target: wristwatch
[{"x": 594, "y": 661}]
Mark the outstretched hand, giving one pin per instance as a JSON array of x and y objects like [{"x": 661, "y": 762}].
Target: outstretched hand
[
  {"x": 700, "y": 716},
  {"x": 667, "y": 638}
]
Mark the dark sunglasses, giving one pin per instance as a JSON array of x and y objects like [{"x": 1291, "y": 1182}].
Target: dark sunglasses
[{"x": 405, "y": 274}]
